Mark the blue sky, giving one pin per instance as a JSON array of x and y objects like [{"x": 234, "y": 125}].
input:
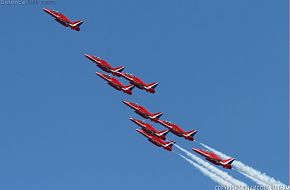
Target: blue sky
[{"x": 222, "y": 68}]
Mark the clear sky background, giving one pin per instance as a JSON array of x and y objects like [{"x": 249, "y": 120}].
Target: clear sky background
[{"x": 222, "y": 68}]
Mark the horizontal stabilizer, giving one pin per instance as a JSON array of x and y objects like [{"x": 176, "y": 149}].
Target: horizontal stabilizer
[
  {"x": 118, "y": 69},
  {"x": 157, "y": 115},
  {"x": 77, "y": 23},
  {"x": 130, "y": 87},
  {"x": 228, "y": 161},
  {"x": 162, "y": 133},
  {"x": 152, "y": 85},
  {"x": 190, "y": 133},
  {"x": 169, "y": 144}
]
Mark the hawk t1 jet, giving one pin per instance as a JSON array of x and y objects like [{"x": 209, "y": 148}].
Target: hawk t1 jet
[
  {"x": 150, "y": 129},
  {"x": 116, "y": 84},
  {"x": 62, "y": 19},
  {"x": 104, "y": 65},
  {"x": 175, "y": 129},
  {"x": 139, "y": 83},
  {"x": 143, "y": 111},
  {"x": 213, "y": 158},
  {"x": 157, "y": 141}
]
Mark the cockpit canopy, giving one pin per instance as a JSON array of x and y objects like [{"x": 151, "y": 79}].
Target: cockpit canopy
[{"x": 206, "y": 151}]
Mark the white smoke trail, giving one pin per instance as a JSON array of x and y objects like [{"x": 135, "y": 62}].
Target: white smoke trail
[
  {"x": 222, "y": 174},
  {"x": 262, "y": 184},
  {"x": 249, "y": 171},
  {"x": 207, "y": 173}
]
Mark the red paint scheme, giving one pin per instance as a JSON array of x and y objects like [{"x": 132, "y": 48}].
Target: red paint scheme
[
  {"x": 213, "y": 158},
  {"x": 150, "y": 129},
  {"x": 116, "y": 84},
  {"x": 175, "y": 129},
  {"x": 167, "y": 145},
  {"x": 105, "y": 66},
  {"x": 62, "y": 19},
  {"x": 139, "y": 83},
  {"x": 143, "y": 111}
]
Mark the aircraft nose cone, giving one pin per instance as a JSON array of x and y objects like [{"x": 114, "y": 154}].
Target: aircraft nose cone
[
  {"x": 125, "y": 102},
  {"x": 135, "y": 121},
  {"x": 99, "y": 74},
  {"x": 139, "y": 131},
  {"x": 45, "y": 9},
  {"x": 195, "y": 149},
  {"x": 87, "y": 55}
]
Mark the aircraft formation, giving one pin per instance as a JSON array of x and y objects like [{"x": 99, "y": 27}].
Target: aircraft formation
[{"x": 154, "y": 136}]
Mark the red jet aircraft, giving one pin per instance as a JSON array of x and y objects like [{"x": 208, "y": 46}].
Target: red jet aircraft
[
  {"x": 213, "y": 158},
  {"x": 139, "y": 83},
  {"x": 105, "y": 66},
  {"x": 116, "y": 84},
  {"x": 62, "y": 19},
  {"x": 150, "y": 130},
  {"x": 143, "y": 111},
  {"x": 175, "y": 129},
  {"x": 157, "y": 141}
]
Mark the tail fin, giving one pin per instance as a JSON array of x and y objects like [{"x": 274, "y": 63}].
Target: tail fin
[
  {"x": 157, "y": 115},
  {"x": 228, "y": 161},
  {"x": 169, "y": 144},
  {"x": 190, "y": 133},
  {"x": 77, "y": 23},
  {"x": 129, "y": 87},
  {"x": 151, "y": 85},
  {"x": 162, "y": 133},
  {"x": 118, "y": 69}
]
